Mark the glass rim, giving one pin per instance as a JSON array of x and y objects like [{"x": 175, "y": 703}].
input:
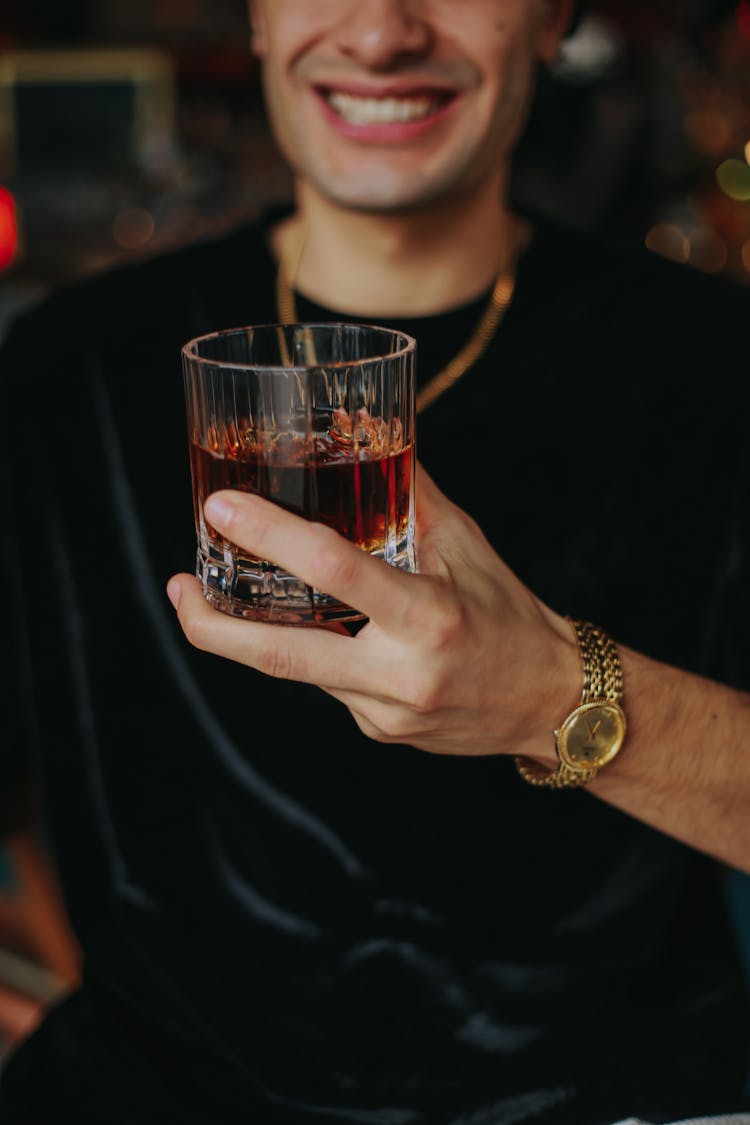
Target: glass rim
[{"x": 188, "y": 350}]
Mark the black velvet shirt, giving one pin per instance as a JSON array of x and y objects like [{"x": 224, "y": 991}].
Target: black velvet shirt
[{"x": 283, "y": 921}]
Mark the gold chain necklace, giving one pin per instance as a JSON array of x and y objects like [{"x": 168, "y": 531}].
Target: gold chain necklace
[{"x": 475, "y": 346}]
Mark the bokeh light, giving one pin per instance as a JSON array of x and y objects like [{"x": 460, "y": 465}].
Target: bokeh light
[
  {"x": 669, "y": 241},
  {"x": 8, "y": 229},
  {"x": 710, "y": 132},
  {"x": 743, "y": 17},
  {"x": 707, "y": 251},
  {"x": 133, "y": 228},
  {"x": 733, "y": 177}
]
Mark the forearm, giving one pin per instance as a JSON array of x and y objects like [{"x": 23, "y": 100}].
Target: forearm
[
  {"x": 684, "y": 767},
  {"x": 463, "y": 659}
]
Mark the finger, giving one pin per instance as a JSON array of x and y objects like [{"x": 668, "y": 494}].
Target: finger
[
  {"x": 365, "y": 725},
  {"x": 394, "y": 726},
  {"x": 425, "y": 484},
  {"x": 286, "y": 652},
  {"x": 304, "y": 654},
  {"x": 374, "y": 716},
  {"x": 317, "y": 554}
]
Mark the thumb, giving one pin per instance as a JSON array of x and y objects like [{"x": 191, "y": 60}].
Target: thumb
[{"x": 432, "y": 505}]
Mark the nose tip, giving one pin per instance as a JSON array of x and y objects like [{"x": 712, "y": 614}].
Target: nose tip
[{"x": 381, "y": 33}]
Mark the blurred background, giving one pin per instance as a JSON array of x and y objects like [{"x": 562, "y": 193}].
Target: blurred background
[{"x": 129, "y": 126}]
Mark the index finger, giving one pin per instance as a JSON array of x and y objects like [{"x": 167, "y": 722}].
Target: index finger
[{"x": 316, "y": 554}]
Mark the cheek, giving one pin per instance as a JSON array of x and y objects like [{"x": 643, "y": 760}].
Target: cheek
[
  {"x": 293, "y": 28},
  {"x": 511, "y": 67},
  {"x": 279, "y": 110}
]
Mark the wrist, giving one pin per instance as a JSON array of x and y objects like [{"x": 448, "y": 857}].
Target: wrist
[
  {"x": 591, "y": 735},
  {"x": 559, "y": 683}
]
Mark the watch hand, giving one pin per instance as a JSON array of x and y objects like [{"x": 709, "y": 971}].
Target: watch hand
[{"x": 592, "y": 733}]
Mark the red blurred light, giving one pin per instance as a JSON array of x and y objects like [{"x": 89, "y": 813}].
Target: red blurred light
[
  {"x": 743, "y": 17},
  {"x": 8, "y": 229}
]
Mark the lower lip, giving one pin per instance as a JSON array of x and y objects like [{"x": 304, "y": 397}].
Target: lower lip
[{"x": 390, "y": 132}]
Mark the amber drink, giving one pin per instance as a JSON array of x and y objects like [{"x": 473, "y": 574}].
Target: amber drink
[{"x": 321, "y": 420}]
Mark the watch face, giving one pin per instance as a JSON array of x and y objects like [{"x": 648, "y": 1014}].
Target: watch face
[{"x": 591, "y": 736}]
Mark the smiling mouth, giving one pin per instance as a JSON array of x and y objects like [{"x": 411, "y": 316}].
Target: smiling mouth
[{"x": 356, "y": 109}]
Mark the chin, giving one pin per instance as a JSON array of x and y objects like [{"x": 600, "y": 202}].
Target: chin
[{"x": 386, "y": 196}]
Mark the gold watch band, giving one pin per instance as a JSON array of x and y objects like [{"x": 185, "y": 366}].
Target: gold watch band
[
  {"x": 602, "y": 673},
  {"x": 602, "y": 683}
]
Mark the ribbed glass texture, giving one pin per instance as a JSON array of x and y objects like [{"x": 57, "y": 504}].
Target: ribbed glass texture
[{"x": 319, "y": 418}]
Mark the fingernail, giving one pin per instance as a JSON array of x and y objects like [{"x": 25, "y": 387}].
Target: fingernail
[
  {"x": 217, "y": 509},
  {"x": 173, "y": 592}
]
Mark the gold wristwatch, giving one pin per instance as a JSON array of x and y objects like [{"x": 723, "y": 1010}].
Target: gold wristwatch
[{"x": 593, "y": 733}]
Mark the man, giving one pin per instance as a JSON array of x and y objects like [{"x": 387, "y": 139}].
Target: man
[{"x": 401, "y": 898}]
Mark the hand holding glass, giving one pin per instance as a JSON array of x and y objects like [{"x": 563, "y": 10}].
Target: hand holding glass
[{"x": 319, "y": 418}]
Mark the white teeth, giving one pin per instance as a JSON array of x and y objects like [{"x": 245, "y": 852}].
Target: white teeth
[{"x": 379, "y": 111}]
